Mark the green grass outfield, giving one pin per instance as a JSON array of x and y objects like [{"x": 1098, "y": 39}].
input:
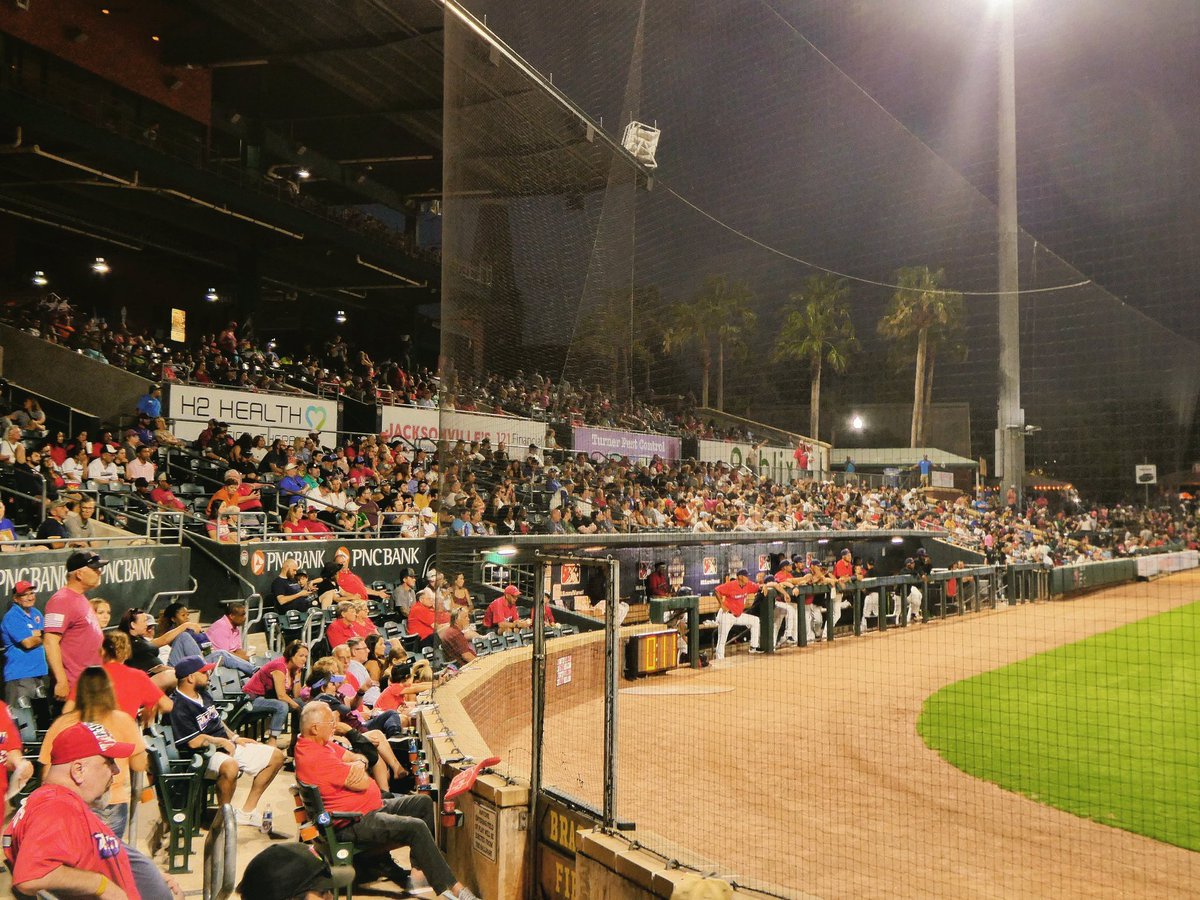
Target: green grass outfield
[{"x": 1107, "y": 728}]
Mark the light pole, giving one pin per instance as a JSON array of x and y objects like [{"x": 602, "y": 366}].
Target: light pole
[{"x": 1010, "y": 418}]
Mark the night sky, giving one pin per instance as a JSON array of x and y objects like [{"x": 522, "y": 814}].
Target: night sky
[{"x": 861, "y": 136}]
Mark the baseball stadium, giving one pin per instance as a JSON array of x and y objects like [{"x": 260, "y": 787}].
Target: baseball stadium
[{"x": 626, "y": 449}]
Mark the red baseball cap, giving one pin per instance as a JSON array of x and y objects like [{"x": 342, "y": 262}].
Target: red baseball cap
[
  {"x": 23, "y": 587},
  {"x": 512, "y": 591},
  {"x": 86, "y": 739}
]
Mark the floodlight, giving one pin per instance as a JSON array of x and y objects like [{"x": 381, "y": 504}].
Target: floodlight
[
  {"x": 641, "y": 141},
  {"x": 40, "y": 279},
  {"x": 100, "y": 266}
]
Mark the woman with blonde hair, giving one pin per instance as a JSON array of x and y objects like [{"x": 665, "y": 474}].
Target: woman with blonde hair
[{"x": 95, "y": 701}]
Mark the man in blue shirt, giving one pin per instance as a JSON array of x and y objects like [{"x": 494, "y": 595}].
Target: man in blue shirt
[
  {"x": 925, "y": 467},
  {"x": 197, "y": 724},
  {"x": 24, "y": 659},
  {"x": 150, "y": 402},
  {"x": 292, "y": 486}
]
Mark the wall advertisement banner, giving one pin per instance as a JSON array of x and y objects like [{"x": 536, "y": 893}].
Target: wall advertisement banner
[
  {"x": 271, "y": 415},
  {"x": 425, "y": 426},
  {"x": 777, "y": 463},
  {"x": 942, "y": 479},
  {"x": 133, "y": 574},
  {"x": 371, "y": 560},
  {"x": 637, "y": 445}
]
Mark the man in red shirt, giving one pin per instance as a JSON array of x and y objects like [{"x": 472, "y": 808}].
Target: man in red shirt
[
  {"x": 733, "y": 596},
  {"x": 11, "y": 759},
  {"x": 658, "y": 585},
  {"x": 55, "y": 842},
  {"x": 349, "y": 583},
  {"x": 71, "y": 634},
  {"x": 342, "y": 780},
  {"x": 502, "y": 613}
]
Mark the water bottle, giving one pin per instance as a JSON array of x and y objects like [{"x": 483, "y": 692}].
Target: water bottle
[{"x": 268, "y": 819}]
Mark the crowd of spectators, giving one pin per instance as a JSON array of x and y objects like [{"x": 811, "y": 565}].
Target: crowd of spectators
[
  {"x": 393, "y": 489},
  {"x": 97, "y": 689},
  {"x": 233, "y": 358}
]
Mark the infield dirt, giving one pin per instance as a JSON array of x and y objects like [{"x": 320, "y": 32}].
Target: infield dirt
[{"x": 810, "y": 776}]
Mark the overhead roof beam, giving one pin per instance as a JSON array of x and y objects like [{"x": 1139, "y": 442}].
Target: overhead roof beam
[{"x": 205, "y": 54}]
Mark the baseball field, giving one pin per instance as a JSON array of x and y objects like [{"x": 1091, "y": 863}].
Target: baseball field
[
  {"x": 807, "y": 772},
  {"x": 1107, "y": 727}
]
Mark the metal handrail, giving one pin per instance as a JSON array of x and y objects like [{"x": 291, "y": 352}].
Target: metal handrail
[
  {"x": 180, "y": 593},
  {"x": 220, "y": 855}
]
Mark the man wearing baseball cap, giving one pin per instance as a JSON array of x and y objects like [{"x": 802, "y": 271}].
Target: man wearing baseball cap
[
  {"x": 24, "y": 657},
  {"x": 72, "y": 635},
  {"x": 288, "y": 872},
  {"x": 733, "y": 596},
  {"x": 197, "y": 724},
  {"x": 55, "y": 842},
  {"x": 502, "y": 613}
]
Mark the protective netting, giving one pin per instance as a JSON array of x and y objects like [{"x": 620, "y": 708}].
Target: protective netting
[{"x": 789, "y": 150}]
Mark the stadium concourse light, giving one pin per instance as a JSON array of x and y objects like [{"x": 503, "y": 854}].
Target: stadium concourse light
[
  {"x": 211, "y": 295},
  {"x": 857, "y": 423},
  {"x": 40, "y": 279},
  {"x": 340, "y": 318},
  {"x": 303, "y": 173},
  {"x": 101, "y": 266}
]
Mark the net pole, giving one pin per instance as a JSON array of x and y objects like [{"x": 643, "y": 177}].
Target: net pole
[
  {"x": 538, "y": 703},
  {"x": 611, "y": 649},
  {"x": 1010, "y": 438}
]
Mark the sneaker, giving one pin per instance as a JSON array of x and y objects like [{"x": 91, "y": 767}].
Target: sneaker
[
  {"x": 788, "y": 642},
  {"x": 754, "y": 651},
  {"x": 465, "y": 894},
  {"x": 249, "y": 819}
]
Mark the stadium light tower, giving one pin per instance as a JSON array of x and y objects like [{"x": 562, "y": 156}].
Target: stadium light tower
[{"x": 1010, "y": 417}]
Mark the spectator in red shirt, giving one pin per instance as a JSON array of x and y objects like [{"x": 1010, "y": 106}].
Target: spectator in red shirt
[
  {"x": 351, "y": 583},
  {"x": 425, "y": 619},
  {"x": 406, "y": 821},
  {"x": 55, "y": 842},
  {"x": 733, "y": 596},
  {"x": 502, "y": 613},
  {"x": 341, "y": 629},
  {"x": 163, "y": 495}
]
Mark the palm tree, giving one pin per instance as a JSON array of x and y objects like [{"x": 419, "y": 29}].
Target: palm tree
[
  {"x": 719, "y": 319},
  {"x": 922, "y": 308},
  {"x": 818, "y": 331}
]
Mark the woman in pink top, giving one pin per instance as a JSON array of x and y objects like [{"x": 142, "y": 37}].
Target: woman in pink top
[{"x": 276, "y": 686}]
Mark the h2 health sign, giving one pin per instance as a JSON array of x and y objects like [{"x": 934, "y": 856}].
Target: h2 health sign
[
  {"x": 422, "y": 426},
  {"x": 637, "y": 445},
  {"x": 271, "y": 415}
]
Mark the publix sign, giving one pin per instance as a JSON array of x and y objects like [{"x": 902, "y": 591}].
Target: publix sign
[{"x": 776, "y": 463}]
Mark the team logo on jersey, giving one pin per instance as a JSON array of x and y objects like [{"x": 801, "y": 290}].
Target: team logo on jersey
[
  {"x": 103, "y": 738},
  {"x": 107, "y": 846}
]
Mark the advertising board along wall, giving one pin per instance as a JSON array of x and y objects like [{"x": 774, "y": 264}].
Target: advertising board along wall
[
  {"x": 272, "y": 415},
  {"x": 639, "y": 446},
  {"x": 777, "y": 463},
  {"x": 372, "y": 560},
  {"x": 131, "y": 578},
  {"x": 425, "y": 427}
]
